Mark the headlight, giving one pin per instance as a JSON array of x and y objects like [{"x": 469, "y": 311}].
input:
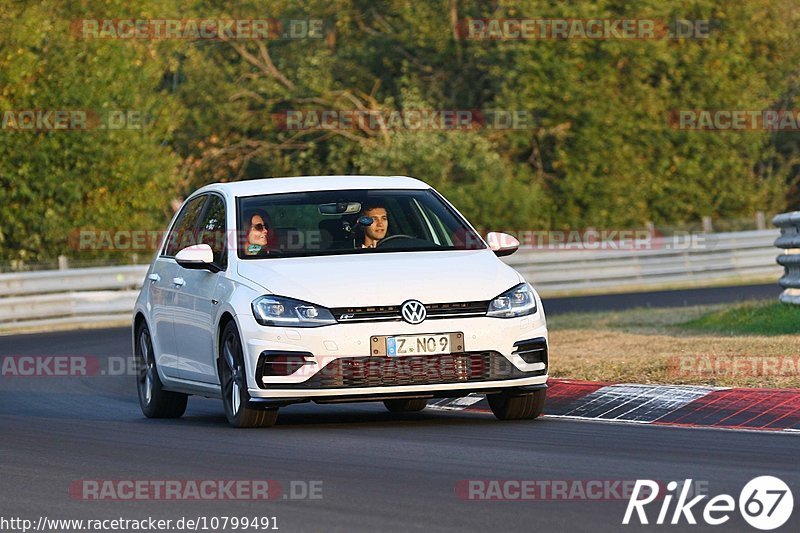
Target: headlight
[
  {"x": 518, "y": 301},
  {"x": 279, "y": 311}
]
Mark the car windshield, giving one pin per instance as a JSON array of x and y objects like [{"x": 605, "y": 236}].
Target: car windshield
[{"x": 349, "y": 222}]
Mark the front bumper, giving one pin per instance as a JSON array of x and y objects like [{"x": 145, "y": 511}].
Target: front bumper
[
  {"x": 372, "y": 394},
  {"x": 340, "y": 364}
]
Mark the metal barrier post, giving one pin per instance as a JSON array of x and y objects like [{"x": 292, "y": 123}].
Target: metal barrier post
[{"x": 789, "y": 241}]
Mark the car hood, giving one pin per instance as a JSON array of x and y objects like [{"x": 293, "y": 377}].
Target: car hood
[{"x": 384, "y": 278}]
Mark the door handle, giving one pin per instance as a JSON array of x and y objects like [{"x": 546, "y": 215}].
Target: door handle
[
  {"x": 179, "y": 282},
  {"x": 154, "y": 277}
]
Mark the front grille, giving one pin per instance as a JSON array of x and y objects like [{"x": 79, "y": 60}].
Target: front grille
[
  {"x": 413, "y": 370},
  {"x": 366, "y": 314},
  {"x": 532, "y": 350},
  {"x": 457, "y": 309},
  {"x": 392, "y": 312}
]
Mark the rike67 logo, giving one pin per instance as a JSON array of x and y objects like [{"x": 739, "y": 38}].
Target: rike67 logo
[{"x": 765, "y": 503}]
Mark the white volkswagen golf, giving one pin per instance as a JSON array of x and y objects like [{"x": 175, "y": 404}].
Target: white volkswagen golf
[{"x": 334, "y": 289}]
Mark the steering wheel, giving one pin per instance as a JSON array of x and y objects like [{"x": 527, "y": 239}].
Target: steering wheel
[
  {"x": 268, "y": 251},
  {"x": 392, "y": 237}
]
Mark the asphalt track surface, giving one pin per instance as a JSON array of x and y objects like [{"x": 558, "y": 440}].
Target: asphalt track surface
[
  {"x": 678, "y": 298},
  {"x": 379, "y": 471}
]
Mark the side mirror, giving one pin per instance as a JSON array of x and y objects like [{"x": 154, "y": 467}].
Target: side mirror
[
  {"x": 502, "y": 244},
  {"x": 197, "y": 257}
]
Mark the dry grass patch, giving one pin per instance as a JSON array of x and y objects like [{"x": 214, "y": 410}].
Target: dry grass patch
[{"x": 657, "y": 346}]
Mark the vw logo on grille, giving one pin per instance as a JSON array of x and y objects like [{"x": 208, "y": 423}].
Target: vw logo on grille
[{"x": 413, "y": 311}]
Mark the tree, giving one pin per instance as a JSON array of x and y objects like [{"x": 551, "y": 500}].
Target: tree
[{"x": 55, "y": 182}]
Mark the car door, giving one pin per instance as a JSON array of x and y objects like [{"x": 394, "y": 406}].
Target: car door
[
  {"x": 163, "y": 287},
  {"x": 196, "y": 315}
]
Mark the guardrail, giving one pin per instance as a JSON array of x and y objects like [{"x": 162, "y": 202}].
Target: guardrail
[
  {"x": 72, "y": 297},
  {"x": 75, "y": 297},
  {"x": 699, "y": 259},
  {"x": 789, "y": 241}
]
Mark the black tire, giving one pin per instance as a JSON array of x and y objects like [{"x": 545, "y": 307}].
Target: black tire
[
  {"x": 233, "y": 384},
  {"x": 406, "y": 405},
  {"x": 153, "y": 399},
  {"x": 519, "y": 406}
]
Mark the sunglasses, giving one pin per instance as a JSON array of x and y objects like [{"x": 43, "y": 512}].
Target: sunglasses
[{"x": 259, "y": 227}]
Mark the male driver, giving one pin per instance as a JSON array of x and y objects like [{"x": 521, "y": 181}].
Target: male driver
[{"x": 380, "y": 224}]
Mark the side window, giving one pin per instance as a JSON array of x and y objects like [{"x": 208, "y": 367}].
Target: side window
[
  {"x": 212, "y": 229},
  {"x": 183, "y": 231}
]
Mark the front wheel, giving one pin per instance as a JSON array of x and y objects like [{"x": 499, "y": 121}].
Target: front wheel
[
  {"x": 233, "y": 383},
  {"x": 153, "y": 399},
  {"x": 519, "y": 406}
]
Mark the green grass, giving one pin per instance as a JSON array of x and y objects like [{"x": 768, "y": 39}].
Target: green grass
[{"x": 752, "y": 318}]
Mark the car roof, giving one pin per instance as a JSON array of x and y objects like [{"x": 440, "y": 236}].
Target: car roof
[{"x": 313, "y": 183}]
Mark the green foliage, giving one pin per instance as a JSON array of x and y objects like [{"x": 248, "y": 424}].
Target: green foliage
[
  {"x": 58, "y": 181},
  {"x": 753, "y": 318},
  {"x": 597, "y": 149}
]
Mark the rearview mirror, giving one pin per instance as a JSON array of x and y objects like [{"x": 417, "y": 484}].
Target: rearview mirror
[
  {"x": 340, "y": 208},
  {"x": 197, "y": 257},
  {"x": 502, "y": 244}
]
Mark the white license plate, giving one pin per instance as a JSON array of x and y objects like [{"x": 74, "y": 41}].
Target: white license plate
[{"x": 418, "y": 345}]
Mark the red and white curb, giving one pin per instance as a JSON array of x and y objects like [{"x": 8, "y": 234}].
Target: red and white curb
[{"x": 671, "y": 405}]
